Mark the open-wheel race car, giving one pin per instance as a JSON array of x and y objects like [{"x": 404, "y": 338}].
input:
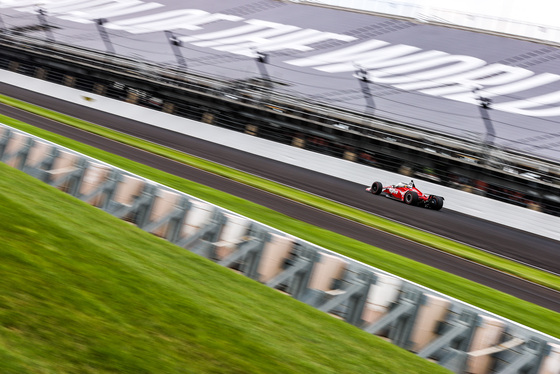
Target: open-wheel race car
[{"x": 407, "y": 193}]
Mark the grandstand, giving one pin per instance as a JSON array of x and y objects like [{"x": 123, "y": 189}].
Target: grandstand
[{"x": 464, "y": 109}]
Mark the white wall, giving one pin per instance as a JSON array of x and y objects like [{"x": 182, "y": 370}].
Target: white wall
[{"x": 464, "y": 202}]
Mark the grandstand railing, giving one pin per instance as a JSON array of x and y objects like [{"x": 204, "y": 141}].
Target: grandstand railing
[{"x": 252, "y": 93}]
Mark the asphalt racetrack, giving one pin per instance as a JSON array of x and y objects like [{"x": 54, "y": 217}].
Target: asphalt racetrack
[{"x": 520, "y": 246}]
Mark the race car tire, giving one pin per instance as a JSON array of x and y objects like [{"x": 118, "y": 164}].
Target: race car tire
[
  {"x": 411, "y": 198},
  {"x": 376, "y": 188},
  {"x": 436, "y": 202}
]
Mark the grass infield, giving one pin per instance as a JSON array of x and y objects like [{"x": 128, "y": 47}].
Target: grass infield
[{"x": 83, "y": 292}]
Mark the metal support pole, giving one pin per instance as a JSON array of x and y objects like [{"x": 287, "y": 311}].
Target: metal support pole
[
  {"x": 363, "y": 79},
  {"x": 74, "y": 179},
  {"x": 105, "y": 190},
  {"x": 484, "y": 106},
  {"x": 490, "y": 132},
  {"x": 41, "y": 14},
  {"x": 139, "y": 207},
  {"x": 176, "y": 45},
  {"x": 262, "y": 60},
  {"x": 3, "y": 29},
  {"x": 104, "y": 35}
]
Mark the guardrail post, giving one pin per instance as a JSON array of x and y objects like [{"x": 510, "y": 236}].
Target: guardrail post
[
  {"x": 530, "y": 359},
  {"x": 105, "y": 190},
  {"x": 457, "y": 334},
  {"x": 249, "y": 252},
  {"x": 174, "y": 219},
  {"x": 140, "y": 207},
  {"x": 354, "y": 294},
  {"x": 74, "y": 179},
  {"x": 41, "y": 169},
  {"x": 400, "y": 319},
  {"x": 454, "y": 360},
  {"x": 6, "y": 136},
  {"x": 298, "y": 271},
  {"x": 19, "y": 155},
  {"x": 71, "y": 179},
  {"x": 203, "y": 241}
]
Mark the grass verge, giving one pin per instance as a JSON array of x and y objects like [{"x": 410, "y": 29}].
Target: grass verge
[
  {"x": 526, "y": 313},
  {"x": 93, "y": 294}
]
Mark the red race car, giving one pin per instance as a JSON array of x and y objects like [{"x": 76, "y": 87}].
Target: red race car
[{"x": 408, "y": 193}]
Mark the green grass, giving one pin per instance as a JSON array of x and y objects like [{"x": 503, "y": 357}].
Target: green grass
[
  {"x": 84, "y": 292},
  {"x": 523, "y": 312}
]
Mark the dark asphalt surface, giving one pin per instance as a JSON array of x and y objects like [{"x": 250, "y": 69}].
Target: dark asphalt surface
[{"x": 515, "y": 244}]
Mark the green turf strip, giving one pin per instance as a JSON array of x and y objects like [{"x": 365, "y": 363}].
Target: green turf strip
[
  {"x": 84, "y": 292},
  {"x": 484, "y": 297}
]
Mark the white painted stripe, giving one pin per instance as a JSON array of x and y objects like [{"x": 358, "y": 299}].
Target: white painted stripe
[
  {"x": 298, "y": 40},
  {"x": 221, "y": 34},
  {"x": 526, "y": 84},
  {"x": 524, "y": 106},
  {"x": 82, "y": 5},
  {"x": 32, "y": 5},
  {"x": 383, "y": 58},
  {"x": 270, "y": 29},
  {"x": 187, "y": 22},
  {"x": 110, "y": 11},
  {"x": 349, "y": 54},
  {"x": 158, "y": 17},
  {"x": 490, "y": 75},
  {"x": 402, "y": 74}
]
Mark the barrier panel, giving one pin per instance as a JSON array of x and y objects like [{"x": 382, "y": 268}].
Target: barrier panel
[{"x": 456, "y": 335}]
